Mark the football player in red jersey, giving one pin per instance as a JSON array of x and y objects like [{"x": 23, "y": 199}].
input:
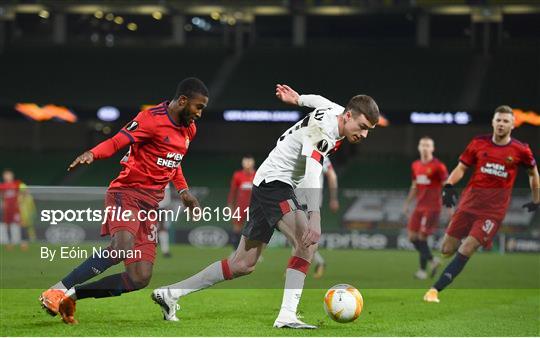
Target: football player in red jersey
[
  {"x": 240, "y": 195},
  {"x": 428, "y": 175},
  {"x": 11, "y": 219},
  {"x": 159, "y": 138},
  {"x": 495, "y": 160}
]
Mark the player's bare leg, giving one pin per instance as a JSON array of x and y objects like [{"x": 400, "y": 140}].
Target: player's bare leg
[
  {"x": 242, "y": 262},
  {"x": 293, "y": 225},
  {"x": 449, "y": 245},
  {"x": 467, "y": 248}
]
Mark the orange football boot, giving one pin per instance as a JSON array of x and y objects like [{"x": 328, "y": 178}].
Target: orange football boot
[
  {"x": 67, "y": 310},
  {"x": 50, "y": 300},
  {"x": 432, "y": 296}
]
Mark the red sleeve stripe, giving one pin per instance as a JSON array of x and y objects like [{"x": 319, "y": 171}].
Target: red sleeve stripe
[
  {"x": 131, "y": 139},
  {"x": 467, "y": 164},
  {"x": 285, "y": 207},
  {"x": 317, "y": 156}
]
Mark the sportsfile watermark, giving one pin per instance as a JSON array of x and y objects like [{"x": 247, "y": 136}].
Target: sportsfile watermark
[{"x": 120, "y": 214}]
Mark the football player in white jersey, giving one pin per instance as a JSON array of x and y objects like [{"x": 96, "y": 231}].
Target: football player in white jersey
[
  {"x": 298, "y": 155},
  {"x": 333, "y": 203}
]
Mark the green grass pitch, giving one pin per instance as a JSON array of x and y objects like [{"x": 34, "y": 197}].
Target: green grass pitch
[{"x": 494, "y": 296}]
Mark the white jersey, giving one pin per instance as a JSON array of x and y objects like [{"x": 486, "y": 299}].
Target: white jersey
[{"x": 315, "y": 135}]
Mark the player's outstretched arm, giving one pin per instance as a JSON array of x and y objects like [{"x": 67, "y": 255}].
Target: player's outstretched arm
[
  {"x": 85, "y": 158},
  {"x": 534, "y": 182},
  {"x": 105, "y": 149},
  {"x": 288, "y": 95}
]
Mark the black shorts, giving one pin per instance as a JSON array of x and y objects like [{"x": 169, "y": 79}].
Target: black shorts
[{"x": 269, "y": 202}]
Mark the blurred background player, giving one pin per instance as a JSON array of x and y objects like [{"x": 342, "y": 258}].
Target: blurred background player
[
  {"x": 495, "y": 160},
  {"x": 298, "y": 156},
  {"x": 240, "y": 195},
  {"x": 164, "y": 223},
  {"x": 333, "y": 203},
  {"x": 10, "y": 227},
  {"x": 28, "y": 212},
  {"x": 428, "y": 175},
  {"x": 159, "y": 138}
]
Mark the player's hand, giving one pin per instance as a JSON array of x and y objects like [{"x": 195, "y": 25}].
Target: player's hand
[
  {"x": 334, "y": 205},
  {"x": 313, "y": 232},
  {"x": 189, "y": 201},
  {"x": 287, "y": 94},
  {"x": 449, "y": 195},
  {"x": 531, "y": 206},
  {"x": 85, "y": 158},
  {"x": 406, "y": 209}
]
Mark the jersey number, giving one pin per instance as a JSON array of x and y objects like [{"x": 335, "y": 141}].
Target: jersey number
[
  {"x": 488, "y": 226},
  {"x": 319, "y": 114},
  {"x": 297, "y": 126},
  {"x": 152, "y": 236}
]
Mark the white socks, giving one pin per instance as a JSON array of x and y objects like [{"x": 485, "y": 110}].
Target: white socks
[
  {"x": 212, "y": 274},
  {"x": 294, "y": 284},
  {"x": 16, "y": 233},
  {"x": 4, "y": 238},
  {"x": 71, "y": 293},
  {"x": 59, "y": 286}
]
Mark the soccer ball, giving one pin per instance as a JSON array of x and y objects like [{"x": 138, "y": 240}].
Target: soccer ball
[{"x": 343, "y": 303}]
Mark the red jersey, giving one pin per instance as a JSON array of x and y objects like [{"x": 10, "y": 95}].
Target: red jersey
[
  {"x": 495, "y": 169},
  {"x": 241, "y": 184},
  {"x": 429, "y": 178},
  {"x": 10, "y": 201},
  {"x": 157, "y": 147}
]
